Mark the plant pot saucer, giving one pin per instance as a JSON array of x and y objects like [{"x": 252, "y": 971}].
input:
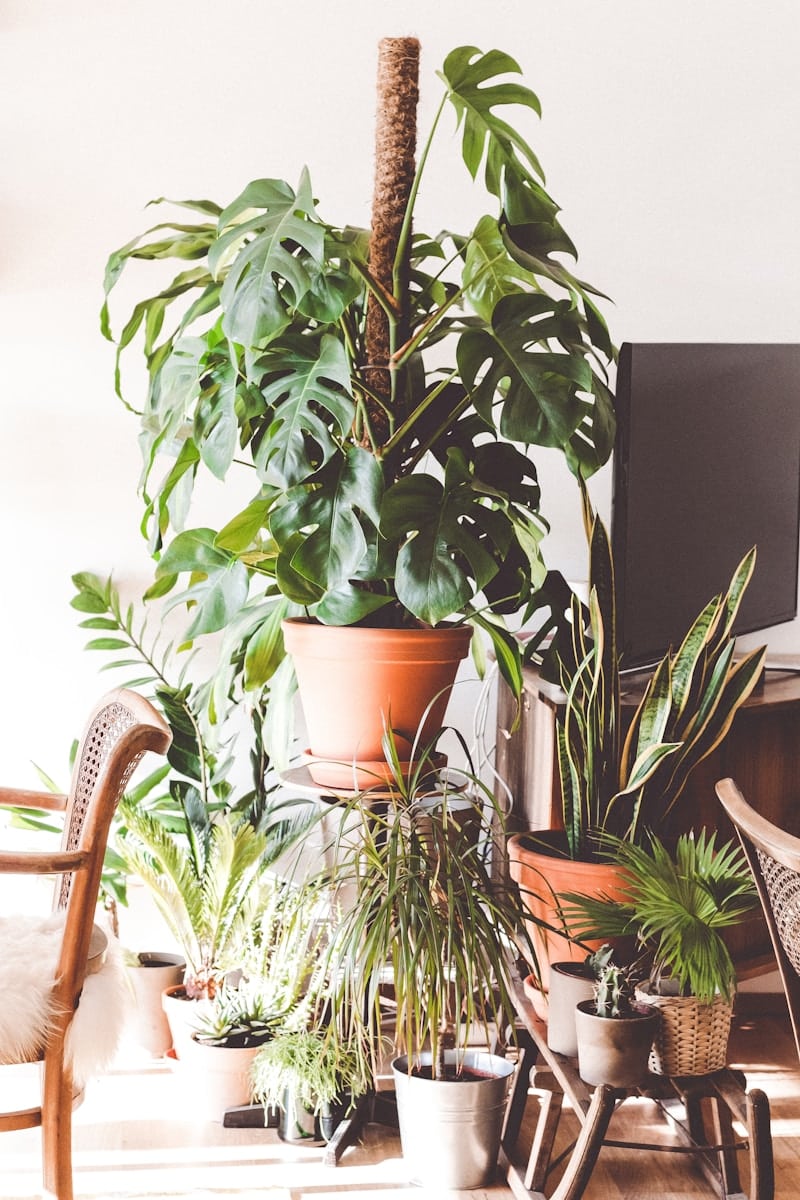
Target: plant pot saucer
[{"x": 347, "y": 778}]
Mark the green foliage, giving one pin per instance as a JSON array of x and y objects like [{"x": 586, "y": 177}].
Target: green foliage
[
  {"x": 318, "y": 1072},
  {"x": 418, "y": 904},
  {"x": 677, "y": 905},
  {"x": 627, "y": 786},
  {"x": 239, "y": 1017},
  {"x": 201, "y": 848},
  {"x": 498, "y": 346},
  {"x": 613, "y": 990}
]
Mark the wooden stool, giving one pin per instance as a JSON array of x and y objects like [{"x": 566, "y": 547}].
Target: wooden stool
[{"x": 710, "y": 1102}]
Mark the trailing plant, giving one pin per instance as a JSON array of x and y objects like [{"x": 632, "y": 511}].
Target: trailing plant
[
  {"x": 317, "y": 1070},
  {"x": 391, "y": 476},
  {"x": 626, "y": 782},
  {"x": 677, "y": 905}
]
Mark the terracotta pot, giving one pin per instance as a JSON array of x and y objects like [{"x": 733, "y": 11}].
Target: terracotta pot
[
  {"x": 354, "y": 682},
  {"x": 542, "y": 875}
]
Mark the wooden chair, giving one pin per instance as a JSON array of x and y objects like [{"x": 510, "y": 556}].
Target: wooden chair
[
  {"x": 774, "y": 858},
  {"x": 119, "y": 731}
]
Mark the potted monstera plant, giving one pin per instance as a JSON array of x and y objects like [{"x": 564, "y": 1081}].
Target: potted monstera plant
[{"x": 382, "y": 389}]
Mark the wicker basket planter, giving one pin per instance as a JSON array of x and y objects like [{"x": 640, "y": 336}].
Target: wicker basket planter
[{"x": 692, "y": 1037}]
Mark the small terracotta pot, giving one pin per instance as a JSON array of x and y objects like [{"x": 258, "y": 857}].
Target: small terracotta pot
[{"x": 354, "y": 682}]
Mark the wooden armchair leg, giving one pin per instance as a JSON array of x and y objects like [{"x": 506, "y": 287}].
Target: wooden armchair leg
[{"x": 57, "y": 1103}]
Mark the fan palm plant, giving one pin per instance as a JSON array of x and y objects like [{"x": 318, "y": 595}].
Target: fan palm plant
[{"x": 677, "y": 905}]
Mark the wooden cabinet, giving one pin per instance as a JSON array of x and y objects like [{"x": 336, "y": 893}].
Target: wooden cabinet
[{"x": 761, "y": 752}]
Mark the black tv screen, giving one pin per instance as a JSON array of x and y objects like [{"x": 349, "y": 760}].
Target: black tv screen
[{"x": 706, "y": 465}]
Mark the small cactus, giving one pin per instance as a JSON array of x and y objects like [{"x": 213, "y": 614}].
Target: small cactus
[{"x": 613, "y": 992}]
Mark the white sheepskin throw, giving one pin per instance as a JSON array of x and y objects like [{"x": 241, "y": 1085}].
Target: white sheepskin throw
[{"x": 29, "y": 947}]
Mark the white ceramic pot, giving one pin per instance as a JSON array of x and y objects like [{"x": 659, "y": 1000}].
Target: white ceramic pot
[
  {"x": 570, "y": 983},
  {"x": 155, "y": 972},
  {"x": 216, "y": 1077}
]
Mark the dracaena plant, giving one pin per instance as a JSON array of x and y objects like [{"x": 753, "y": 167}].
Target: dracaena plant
[
  {"x": 626, "y": 781},
  {"x": 391, "y": 476}
]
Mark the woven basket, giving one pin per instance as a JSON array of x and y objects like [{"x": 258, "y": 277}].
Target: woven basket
[{"x": 692, "y": 1037}]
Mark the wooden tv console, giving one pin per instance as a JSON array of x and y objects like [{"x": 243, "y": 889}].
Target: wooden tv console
[{"x": 761, "y": 752}]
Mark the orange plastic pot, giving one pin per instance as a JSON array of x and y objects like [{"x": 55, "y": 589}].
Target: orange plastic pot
[
  {"x": 354, "y": 683},
  {"x": 542, "y": 876}
]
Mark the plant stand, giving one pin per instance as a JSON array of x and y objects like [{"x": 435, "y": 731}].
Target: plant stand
[{"x": 710, "y": 1104}]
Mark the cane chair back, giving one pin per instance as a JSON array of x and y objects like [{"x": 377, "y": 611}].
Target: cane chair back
[
  {"x": 122, "y": 727},
  {"x": 774, "y": 858}
]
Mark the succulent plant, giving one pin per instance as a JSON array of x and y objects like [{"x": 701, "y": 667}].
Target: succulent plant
[{"x": 613, "y": 989}]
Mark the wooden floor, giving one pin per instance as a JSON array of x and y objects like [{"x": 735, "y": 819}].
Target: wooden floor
[{"x": 135, "y": 1137}]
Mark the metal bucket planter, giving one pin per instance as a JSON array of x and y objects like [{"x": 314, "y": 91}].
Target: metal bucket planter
[
  {"x": 298, "y": 1123},
  {"x": 450, "y": 1130}
]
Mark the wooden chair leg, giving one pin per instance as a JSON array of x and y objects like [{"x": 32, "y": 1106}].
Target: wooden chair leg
[
  {"x": 588, "y": 1146},
  {"x": 762, "y": 1166},
  {"x": 57, "y": 1102}
]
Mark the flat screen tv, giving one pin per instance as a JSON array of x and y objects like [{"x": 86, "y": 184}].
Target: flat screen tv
[{"x": 706, "y": 465}]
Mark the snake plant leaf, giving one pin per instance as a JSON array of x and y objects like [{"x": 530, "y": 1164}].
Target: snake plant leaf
[
  {"x": 485, "y": 137},
  {"x": 741, "y": 578},
  {"x": 649, "y": 724},
  {"x": 302, "y": 377},
  {"x": 271, "y": 273}
]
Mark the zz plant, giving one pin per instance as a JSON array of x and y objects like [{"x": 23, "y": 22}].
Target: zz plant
[{"x": 392, "y": 492}]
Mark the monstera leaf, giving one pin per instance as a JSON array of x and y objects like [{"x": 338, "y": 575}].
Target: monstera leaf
[
  {"x": 306, "y": 387},
  {"x": 486, "y": 137},
  {"x": 331, "y": 511},
  {"x": 449, "y": 537},
  {"x": 271, "y": 273},
  {"x": 541, "y": 389},
  {"x": 219, "y": 580}
]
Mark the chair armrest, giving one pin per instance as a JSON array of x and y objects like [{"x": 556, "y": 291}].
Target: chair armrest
[
  {"x": 19, "y": 798},
  {"x": 33, "y": 862}
]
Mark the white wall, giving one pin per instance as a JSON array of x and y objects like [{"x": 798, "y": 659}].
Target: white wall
[{"x": 668, "y": 137}]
